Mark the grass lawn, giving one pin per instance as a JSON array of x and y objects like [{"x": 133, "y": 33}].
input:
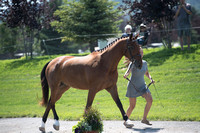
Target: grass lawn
[{"x": 178, "y": 83}]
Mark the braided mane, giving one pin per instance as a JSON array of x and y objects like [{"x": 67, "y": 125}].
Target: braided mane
[{"x": 109, "y": 45}]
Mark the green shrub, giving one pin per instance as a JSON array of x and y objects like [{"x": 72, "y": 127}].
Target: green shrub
[{"x": 91, "y": 121}]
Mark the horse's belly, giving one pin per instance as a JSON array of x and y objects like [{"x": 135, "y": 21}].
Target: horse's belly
[
  {"x": 76, "y": 78},
  {"x": 85, "y": 81},
  {"x": 86, "y": 76},
  {"x": 98, "y": 83},
  {"x": 78, "y": 84}
]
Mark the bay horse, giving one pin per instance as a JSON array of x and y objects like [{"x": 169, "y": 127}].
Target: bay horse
[{"x": 94, "y": 72}]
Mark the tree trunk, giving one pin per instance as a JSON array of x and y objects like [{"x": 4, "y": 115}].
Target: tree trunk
[
  {"x": 13, "y": 41},
  {"x": 31, "y": 43},
  {"x": 25, "y": 45},
  {"x": 169, "y": 45},
  {"x": 169, "y": 26},
  {"x": 166, "y": 33}
]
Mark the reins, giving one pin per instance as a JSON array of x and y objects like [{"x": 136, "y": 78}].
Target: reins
[{"x": 129, "y": 50}]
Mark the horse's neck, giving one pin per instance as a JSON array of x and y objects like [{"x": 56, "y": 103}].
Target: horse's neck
[{"x": 113, "y": 55}]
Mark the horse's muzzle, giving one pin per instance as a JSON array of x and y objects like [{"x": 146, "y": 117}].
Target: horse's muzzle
[{"x": 138, "y": 64}]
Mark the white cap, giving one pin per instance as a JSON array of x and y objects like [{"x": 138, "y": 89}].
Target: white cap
[
  {"x": 143, "y": 25},
  {"x": 128, "y": 27}
]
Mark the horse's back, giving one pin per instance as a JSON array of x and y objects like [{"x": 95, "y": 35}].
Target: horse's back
[
  {"x": 78, "y": 72},
  {"x": 54, "y": 68}
]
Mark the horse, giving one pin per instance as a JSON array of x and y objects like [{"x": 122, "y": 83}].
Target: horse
[{"x": 93, "y": 72}]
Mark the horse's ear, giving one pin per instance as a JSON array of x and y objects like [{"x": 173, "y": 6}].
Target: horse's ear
[
  {"x": 136, "y": 36},
  {"x": 131, "y": 37}
]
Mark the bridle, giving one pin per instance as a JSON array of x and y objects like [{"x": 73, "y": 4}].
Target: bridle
[{"x": 129, "y": 48}]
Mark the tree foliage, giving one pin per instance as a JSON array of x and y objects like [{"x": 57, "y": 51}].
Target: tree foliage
[
  {"x": 195, "y": 21},
  {"x": 28, "y": 15},
  {"x": 160, "y": 12},
  {"x": 85, "y": 20},
  {"x": 8, "y": 38}
]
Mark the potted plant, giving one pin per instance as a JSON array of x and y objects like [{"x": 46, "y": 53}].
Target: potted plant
[{"x": 90, "y": 122}]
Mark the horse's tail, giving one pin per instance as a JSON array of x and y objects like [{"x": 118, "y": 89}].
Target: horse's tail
[{"x": 45, "y": 87}]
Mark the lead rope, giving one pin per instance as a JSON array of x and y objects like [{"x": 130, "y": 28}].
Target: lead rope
[
  {"x": 147, "y": 87},
  {"x": 156, "y": 92},
  {"x": 133, "y": 84}
]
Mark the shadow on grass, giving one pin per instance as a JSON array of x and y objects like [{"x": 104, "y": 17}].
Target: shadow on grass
[
  {"x": 154, "y": 58},
  {"x": 26, "y": 62},
  {"x": 34, "y": 62},
  {"x": 159, "y": 57}
]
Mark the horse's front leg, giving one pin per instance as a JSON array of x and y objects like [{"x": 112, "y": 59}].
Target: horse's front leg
[
  {"x": 91, "y": 95},
  {"x": 115, "y": 96}
]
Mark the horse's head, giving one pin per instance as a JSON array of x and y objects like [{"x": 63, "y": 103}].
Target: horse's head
[{"x": 132, "y": 51}]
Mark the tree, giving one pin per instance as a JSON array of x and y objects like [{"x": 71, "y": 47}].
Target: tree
[
  {"x": 85, "y": 20},
  {"x": 161, "y": 12},
  {"x": 195, "y": 21},
  {"x": 50, "y": 39},
  {"x": 8, "y": 38},
  {"x": 28, "y": 15}
]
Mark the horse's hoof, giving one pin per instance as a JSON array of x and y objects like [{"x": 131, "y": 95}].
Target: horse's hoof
[
  {"x": 128, "y": 124},
  {"x": 56, "y": 127},
  {"x": 42, "y": 129}
]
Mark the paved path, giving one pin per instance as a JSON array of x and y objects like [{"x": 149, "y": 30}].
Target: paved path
[{"x": 30, "y": 125}]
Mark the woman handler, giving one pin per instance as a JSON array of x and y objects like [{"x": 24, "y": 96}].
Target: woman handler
[{"x": 137, "y": 87}]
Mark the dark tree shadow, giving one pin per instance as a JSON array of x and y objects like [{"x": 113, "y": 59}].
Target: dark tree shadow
[
  {"x": 25, "y": 62},
  {"x": 159, "y": 57},
  {"x": 153, "y": 58},
  {"x": 34, "y": 62}
]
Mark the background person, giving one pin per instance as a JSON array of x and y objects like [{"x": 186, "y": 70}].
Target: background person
[
  {"x": 183, "y": 24},
  {"x": 139, "y": 89},
  {"x": 128, "y": 29},
  {"x": 144, "y": 33}
]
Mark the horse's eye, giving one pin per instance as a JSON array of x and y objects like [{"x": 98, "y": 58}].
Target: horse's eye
[{"x": 131, "y": 47}]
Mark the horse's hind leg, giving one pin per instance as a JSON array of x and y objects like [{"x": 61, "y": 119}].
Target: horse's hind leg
[
  {"x": 44, "y": 118},
  {"x": 56, "y": 124},
  {"x": 55, "y": 96},
  {"x": 59, "y": 92}
]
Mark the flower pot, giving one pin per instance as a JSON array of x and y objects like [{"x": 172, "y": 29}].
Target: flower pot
[{"x": 91, "y": 132}]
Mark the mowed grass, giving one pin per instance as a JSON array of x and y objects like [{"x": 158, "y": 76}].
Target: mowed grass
[{"x": 176, "y": 72}]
